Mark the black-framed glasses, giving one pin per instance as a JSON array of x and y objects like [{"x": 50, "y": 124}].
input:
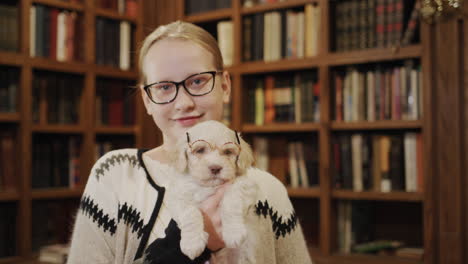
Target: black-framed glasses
[{"x": 196, "y": 85}]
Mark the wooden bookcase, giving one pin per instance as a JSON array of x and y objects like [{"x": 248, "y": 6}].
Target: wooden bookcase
[
  {"x": 23, "y": 196},
  {"x": 317, "y": 206}
]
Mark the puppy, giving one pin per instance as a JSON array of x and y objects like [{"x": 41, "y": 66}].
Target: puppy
[{"x": 210, "y": 155}]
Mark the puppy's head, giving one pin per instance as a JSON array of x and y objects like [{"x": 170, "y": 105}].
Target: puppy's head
[{"x": 212, "y": 154}]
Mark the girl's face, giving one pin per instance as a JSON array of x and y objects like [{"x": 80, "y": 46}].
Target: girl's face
[{"x": 175, "y": 60}]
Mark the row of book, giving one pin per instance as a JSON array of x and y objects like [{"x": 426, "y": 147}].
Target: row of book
[
  {"x": 56, "y": 99},
  {"x": 363, "y": 24},
  {"x": 125, "y": 7},
  {"x": 55, "y": 161},
  {"x": 7, "y": 160},
  {"x": 303, "y": 165},
  {"x": 101, "y": 147},
  {"x": 115, "y": 104},
  {"x": 250, "y": 3},
  {"x": 8, "y": 224},
  {"x": 9, "y": 80},
  {"x": 200, "y": 6},
  {"x": 358, "y": 233},
  {"x": 380, "y": 162},
  {"x": 113, "y": 43},
  {"x": 281, "y": 34},
  {"x": 296, "y": 167},
  {"x": 284, "y": 98},
  {"x": 9, "y": 31},
  {"x": 380, "y": 92},
  {"x": 56, "y": 34},
  {"x": 52, "y": 223}
]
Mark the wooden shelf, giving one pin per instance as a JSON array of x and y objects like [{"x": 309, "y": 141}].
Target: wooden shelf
[
  {"x": 60, "y": 4},
  {"x": 377, "y": 125},
  {"x": 117, "y": 130},
  {"x": 281, "y": 127},
  {"x": 11, "y": 58},
  {"x": 59, "y": 129},
  {"x": 374, "y": 55},
  {"x": 379, "y": 196},
  {"x": 112, "y": 14},
  {"x": 362, "y": 259},
  {"x": 56, "y": 193},
  {"x": 11, "y": 260},
  {"x": 42, "y": 63},
  {"x": 9, "y": 195},
  {"x": 112, "y": 72},
  {"x": 279, "y": 65},
  {"x": 220, "y": 14},
  {"x": 10, "y": 117},
  {"x": 313, "y": 192},
  {"x": 259, "y": 8}
]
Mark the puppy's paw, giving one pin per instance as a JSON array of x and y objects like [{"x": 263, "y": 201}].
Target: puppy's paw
[
  {"x": 193, "y": 246},
  {"x": 234, "y": 236}
]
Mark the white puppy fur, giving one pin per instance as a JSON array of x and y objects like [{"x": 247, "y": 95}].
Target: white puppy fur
[{"x": 206, "y": 158}]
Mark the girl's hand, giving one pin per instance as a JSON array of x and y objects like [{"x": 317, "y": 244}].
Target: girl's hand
[{"x": 212, "y": 218}]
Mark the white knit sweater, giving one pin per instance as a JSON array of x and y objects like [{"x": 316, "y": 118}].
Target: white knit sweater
[{"x": 123, "y": 216}]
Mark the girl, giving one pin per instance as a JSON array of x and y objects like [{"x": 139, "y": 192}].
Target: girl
[{"x": 123, "y": 217}]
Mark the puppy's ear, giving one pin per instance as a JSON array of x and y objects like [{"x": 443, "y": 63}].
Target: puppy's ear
[
  {"x": 246, "y": 159},
  {"x": 179, "y": 157}
]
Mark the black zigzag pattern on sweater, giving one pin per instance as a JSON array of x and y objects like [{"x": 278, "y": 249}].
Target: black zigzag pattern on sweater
[
  {"x": 92, "y": 210},
  {"x": 279, "y": 227},
  {"x": 112, "y": 160},
  {"x": 131, "y": 217}
]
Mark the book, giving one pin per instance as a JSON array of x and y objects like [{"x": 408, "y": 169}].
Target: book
[{"x": 226, "y": 41}]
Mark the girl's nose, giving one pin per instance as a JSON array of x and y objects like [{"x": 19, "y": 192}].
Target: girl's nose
[{"x": 184, "y": 101}]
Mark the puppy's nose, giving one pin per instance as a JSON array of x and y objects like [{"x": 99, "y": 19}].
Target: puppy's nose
[{"x": 215, "y": 169}]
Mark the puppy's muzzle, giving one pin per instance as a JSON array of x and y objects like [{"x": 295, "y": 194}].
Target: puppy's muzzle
[{"x": 215, "y": 169}]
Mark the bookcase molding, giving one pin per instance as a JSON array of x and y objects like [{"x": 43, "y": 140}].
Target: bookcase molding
[{"x": 21, "y": 121}]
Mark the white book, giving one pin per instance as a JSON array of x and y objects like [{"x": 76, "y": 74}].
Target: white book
[
  {"x": 301, "y": 164},
  {"x": 308, "y": 28},
  {"x": 403, "y": 93},
  {"x": 293, "y": 167},
  {"x": 356, "y": 150},
  {"x": 370, "y": 96},
  {"x": 125, "y": 45},
  {"x": 260, "y": 145},
  {"x": 225, "y": 41},
  {"x": 410, "y": 162},
  {"x": 290, "y": 18},
  {"x": 316, "y": 17},
  {"x": 275, "y": 36},
  {"x": 300, "y": 34},
  {"x": 61, "y": 35},
  {"x": 32, "y": 29}
]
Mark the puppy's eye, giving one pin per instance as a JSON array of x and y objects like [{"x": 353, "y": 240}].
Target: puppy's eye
[
  {"x": 200, "y": 150},
  {"x": 228, "y": 152}
]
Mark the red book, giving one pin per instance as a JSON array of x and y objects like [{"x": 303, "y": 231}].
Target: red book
[
  {"x": 269, "y": 100},
  {"x": 115, "y": 105},
  {"x": 8, "y": 157},
  {"x": 131, "y": 8},
  {"x": 53, "y": 33},
  {"x": 338, "y": 97}
]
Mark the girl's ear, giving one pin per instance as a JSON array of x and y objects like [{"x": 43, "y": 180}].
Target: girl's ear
[
  {"x": 246, "y": 159},
  {"x": 226, "y": 85}
]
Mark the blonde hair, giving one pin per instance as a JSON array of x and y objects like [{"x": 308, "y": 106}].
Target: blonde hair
[{"x": 183, "y": 31}]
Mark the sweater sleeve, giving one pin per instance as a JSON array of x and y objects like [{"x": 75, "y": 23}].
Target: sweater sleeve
[
  {"x": 93, "y": 238},
  {"x": 290, "y": 245}
]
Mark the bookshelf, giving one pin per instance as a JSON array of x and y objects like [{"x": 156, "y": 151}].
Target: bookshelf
[
  {"x": 318, "y": 205},
  {"x": 48, "y": 108}
]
